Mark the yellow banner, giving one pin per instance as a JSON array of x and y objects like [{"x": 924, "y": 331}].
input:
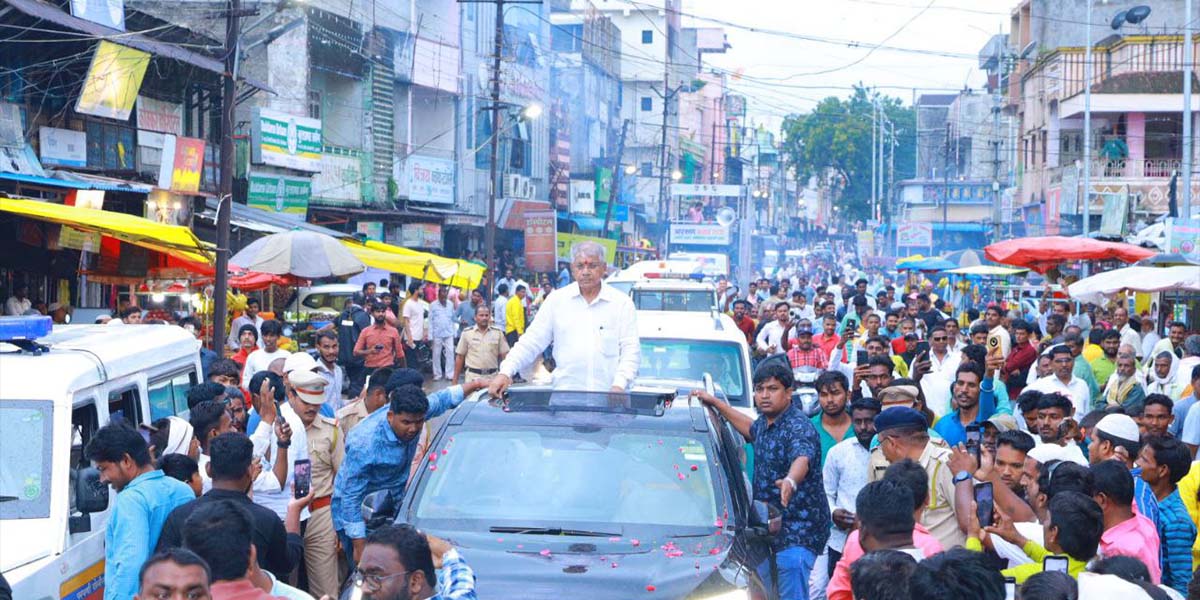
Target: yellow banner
[
  {"x": 113, "y": 81},
  {"x": 566, "y": 240}
]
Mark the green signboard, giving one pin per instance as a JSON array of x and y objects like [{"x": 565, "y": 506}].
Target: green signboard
[
  {"x": 284, "y": 140},
  {"x": 279, "y": 193}
]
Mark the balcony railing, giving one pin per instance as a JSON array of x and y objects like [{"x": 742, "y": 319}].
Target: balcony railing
[
  {"x": 1143, "y": 54},
  {"x": 1126, "y": 168}
]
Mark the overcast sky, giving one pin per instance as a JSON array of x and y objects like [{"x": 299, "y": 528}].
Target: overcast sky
[{"x": 942, "y": 26}]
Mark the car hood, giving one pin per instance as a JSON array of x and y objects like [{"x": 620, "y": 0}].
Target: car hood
[{"x": 543, "y": 566}]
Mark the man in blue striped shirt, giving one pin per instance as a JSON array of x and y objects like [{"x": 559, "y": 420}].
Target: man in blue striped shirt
[{"x": 1164, "y": 461}]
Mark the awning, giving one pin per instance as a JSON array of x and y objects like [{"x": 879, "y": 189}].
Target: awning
[
  {"x": 959, "y": 227},
  {"x": 173, "y": 240},
  {"x": 422, "y": 265},
  {"x": 264, "y": 221},
  {"x": 584, "y": 222},
  {"x": 80, "y": 182},
  {"x": 54, "y": 14}
]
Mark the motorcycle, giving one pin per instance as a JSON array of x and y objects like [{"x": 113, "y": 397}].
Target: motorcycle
[{"x": 806, "y": 390}]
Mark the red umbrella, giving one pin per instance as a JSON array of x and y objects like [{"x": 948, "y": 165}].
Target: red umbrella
[
  {"x": 254, "y": 280},
  {"x": 1044, "y": 253}
]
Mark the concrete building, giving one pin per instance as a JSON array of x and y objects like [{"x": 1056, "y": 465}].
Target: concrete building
[{"x": 1136, "y": 111}]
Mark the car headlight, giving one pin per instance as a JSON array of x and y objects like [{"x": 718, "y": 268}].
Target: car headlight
[{"x": 731, "y": 595}]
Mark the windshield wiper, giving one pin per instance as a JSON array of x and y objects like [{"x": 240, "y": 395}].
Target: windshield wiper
[
  {"x": 552, "y": 531},
  {"x": 8, "y": 498}
]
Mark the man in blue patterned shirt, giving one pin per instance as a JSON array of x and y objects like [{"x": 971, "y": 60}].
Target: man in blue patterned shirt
[
  {"x": 380, "y": 451},
  {"x": 787, "y": 474},
  {"x": 1164, "y": 461}
]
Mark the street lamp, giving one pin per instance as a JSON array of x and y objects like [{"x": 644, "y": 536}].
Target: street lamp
[
  {"x": 531, "y": 112},
  {"x": 631, "y": 169},
  {"x": 676, "y": 175}
]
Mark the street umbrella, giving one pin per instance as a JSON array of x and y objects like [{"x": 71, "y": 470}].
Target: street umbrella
[
  {"x": 1044, "y": 253},
  {"x": 927, "y": 265},
  {"x": 303, "y": 254},
  {"x": 1174, "y": 259},
  {"x": 1137, "y": 279},
  {"x": 965, "y": 258}
]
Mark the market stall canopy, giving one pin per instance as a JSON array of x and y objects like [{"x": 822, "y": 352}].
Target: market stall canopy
[
  {"x": 965, "y": 258},
  {"x": 1169, "y": 260},
  {"x": 1044, "y": 253},
  {"x": 421, "y": 265},
  {"x": 172, "y": 240},
  {"x": 1094, "y": 289},
  {"x": 988, "y": 271},
  {"x": 303, "y": 254},
  {"x": 925, "y": 264}
]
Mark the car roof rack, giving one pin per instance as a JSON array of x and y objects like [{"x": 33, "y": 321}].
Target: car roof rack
[{"x": 645, "y": 403}]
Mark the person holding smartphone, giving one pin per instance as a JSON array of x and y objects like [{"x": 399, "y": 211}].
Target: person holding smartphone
[
  {"x": 378, "y": 345},
  {"x": 1073, "y": 532}
]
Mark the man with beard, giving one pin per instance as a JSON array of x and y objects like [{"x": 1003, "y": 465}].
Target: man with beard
[
  {"x": 1012, "y": 448},
  {"x": 1129, "y": 334},
  {"x": 845, "y": 474},
  {"x": 974, "y": 402},
  {"x": 1124, "y": 387},
  {"x": 1020, "y": 360},
  {"x": 1157, "y": 416},
  {"x": 379, "y": 453},
  {"x": 833, "y": 422},
  {"x": 742, "y": 320},
  {"x": 1104, "y": 365},
  {"x": 804, "y": 353},
  {"x": 771, "y": 338},
  {"x": 398, "y": 563},
  {"x": 997, "y": 335}
]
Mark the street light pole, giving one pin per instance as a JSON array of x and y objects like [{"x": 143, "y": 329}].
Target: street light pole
[
  {"x": 489, "y": 232},
  {"x": 1188, "y": 65},
  {"x": 225, "y": 203},
  {"x": 1087, "y": 128}
]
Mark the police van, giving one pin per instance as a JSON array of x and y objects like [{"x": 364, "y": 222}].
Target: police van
[{"x": 57, "y": 387}]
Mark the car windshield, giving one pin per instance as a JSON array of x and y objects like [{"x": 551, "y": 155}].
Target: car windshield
[
  {"x": 25, "y": 470},
  {"x": 689, "y": 301},
  {"x": 580, "y": 478},
  {"x": 691, "y": 359}
]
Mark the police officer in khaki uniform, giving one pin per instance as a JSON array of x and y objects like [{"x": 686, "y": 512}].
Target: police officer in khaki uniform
[
  {"x": 326, "y": 449},
  {"x": 374, "y": 396},
  {"x": 480, "y": 349}
]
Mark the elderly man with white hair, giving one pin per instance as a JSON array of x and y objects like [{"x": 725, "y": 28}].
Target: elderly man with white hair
[{"x": 592, "y": 327}]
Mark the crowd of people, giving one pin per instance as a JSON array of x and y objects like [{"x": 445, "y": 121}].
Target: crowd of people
[{"x": 1047, "y": 449}]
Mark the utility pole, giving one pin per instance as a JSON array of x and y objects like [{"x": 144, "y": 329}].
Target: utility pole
[
  {"x": 946, "y": 183},
  {"x": 489, "y": 232},
  {"x": 618, "y": 172},
  {"x": 874, "y": 155},
  {"x": 1086, "y": 196},
  {"x": 233, "y": 22},
  {"x": 1188, "y": 65}
]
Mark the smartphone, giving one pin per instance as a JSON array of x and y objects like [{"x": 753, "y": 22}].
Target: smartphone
[
  {"x": 984, "y": 503},
  {"x": 974, "y": 439},
  {"x": 860, "y": 357},
  {"x": 1055, "y": 563},
  {"x": 1010, "y": 588},
  {"x": 302, "y": 477},
  {"x": 923, "y": 347},
  {"x": 379, "y": 346}
]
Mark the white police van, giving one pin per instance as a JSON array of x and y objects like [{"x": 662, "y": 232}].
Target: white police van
[{"x": 57, "y": 387}]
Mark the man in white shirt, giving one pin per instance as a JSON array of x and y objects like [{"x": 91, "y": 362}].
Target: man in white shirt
[
  {"x": 499, "y": 304},
  {"x": 306, "y": 389},
  {"x": 592, "y": 327},
  {"x": 249, "y": 317},
  {"x": 1150, "y": 338},
  {"x": 441, "y": 331},
  {"x": 1063, "y": 380},
  {"x": 1129, "y": 336},
  {"x": 19, "y": 303},
  {"x": 997, "y": 335},
  {"x": 770, "y": 337},
  {"x": 327, "y": 367},
  {"x": 260, "y": 360}
]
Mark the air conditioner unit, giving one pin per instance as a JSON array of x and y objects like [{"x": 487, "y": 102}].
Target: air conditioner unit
[{"x": 518, "y": 187}]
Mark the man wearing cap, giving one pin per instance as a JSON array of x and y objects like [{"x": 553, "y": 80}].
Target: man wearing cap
[
  {"x": 803, "y": 353},
  {"x": 903, "y": 433},
  {"x": 480, "y": 348},
  {"x": 326, "y": 449},
  {"x": 1117, "y": 437}
]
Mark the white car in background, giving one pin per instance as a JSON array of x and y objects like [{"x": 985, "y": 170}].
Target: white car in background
[{"x": 688, "y": 345}]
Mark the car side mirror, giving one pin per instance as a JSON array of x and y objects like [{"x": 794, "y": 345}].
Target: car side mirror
[
  {"x": 376, "y": 504},
  {"x": 91, "y": 495},
  {"x": 765, "y": 517}
]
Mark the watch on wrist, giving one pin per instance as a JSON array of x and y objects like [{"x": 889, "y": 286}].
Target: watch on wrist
[
  {"x": 284, "y": 445},
  {"x": 961, "y": 476}
]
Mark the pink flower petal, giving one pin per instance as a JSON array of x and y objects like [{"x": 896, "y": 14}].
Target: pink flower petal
[
  {"x": 695, "y": 468},
  {"x": 650, "y": 588},
  {"x": 432, "y": 467},
  {"x": 545, "y": 552},
  {"x": 681, "y": 476},
  {"x": 635, "y": 542},
  {"x": 714, "y": 551},
  {"x": 433, "y": 456},
  {"x": 520, "y": 545},
  {"x": 676, "y": 467},
  {"x": 720, "y": 522},
  {"x": 445, "y": 451},
  {"x": 614, "y": 565},
  {"x": 614, "y": 539}
]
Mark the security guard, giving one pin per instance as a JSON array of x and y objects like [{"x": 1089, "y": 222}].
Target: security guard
[
  {"x": 374, "y": 396},
  {"x": 480, "y": 349},
  {"x": 326, "y": 449},
  {"x": 904, "y": 433}
]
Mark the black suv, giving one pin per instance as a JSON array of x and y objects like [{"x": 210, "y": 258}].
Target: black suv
[{"x": 604, "y": 495}]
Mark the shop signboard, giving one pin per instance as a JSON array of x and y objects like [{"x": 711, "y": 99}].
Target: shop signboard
[
  {"x": 715, "y": 190},
  {"x": 426, "y": 179},
  {"x": 340, "y": 180},
  {"x": 604, "y": 184},
  {"x": 866, "y": 244},
  {"x": 109, "y": 13},
  {"x": 583, "y": 199},
  {"x": 62, "y": 147},
  {"x": 564, "y": 242},
  {"x": 1183, "y": 237},
  {"x": 284, "y": 140},
  {"x": 540, "y": 239},
  {"x": 914, "y": 235},
  {"x": 279, "y": 193},
  {"x": 76, "y": 239},
  {"x": 421, "y": 235},
  {"x": 373, "y": 230},
  {"x": 156, "y": 115},
  {"x": 112, "y": 82},
  {"x": 188, "y": 162},
  {"x": 708, "y": 234}
]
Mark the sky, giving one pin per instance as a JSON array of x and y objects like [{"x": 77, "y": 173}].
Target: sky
[{"x": 767, "y": 63}]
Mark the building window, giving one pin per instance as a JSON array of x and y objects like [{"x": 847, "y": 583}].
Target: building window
[
  {"x": 647, "y": 169},
  {"x": 647, "y": 36},
  {"x": 314, "y": 104},
  {"x": 647, "y": 104}
]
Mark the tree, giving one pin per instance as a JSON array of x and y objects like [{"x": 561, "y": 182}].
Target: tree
[{"x": 836, "y": 137}]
